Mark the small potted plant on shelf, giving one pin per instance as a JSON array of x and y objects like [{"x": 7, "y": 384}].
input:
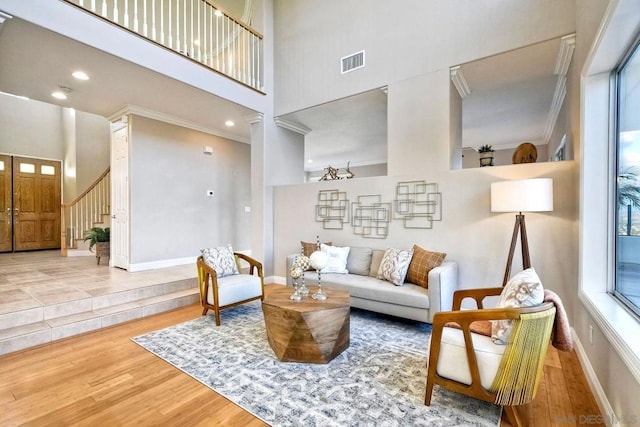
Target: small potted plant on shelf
[
  {"x": 486, "y": 155},
  {"x": 100, "y": 238}
]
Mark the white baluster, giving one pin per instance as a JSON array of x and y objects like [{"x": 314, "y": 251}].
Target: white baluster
[
  {"x": 184, "y": 28},
  {"x": 170, "y": 36},
  {"x": 153, "y": 20},
  {"x": 210, "y": 37},
  {"x": 192, "y": 51},
  {"x": 81, "y": 3},
  {"x": 135, "y": 16},
  {"x": 145, "y": 26},
  {"x": 178, "y": 44},
  {"x": 93, "y": 6},
  {"x": 217, "y": 44},
  {"x": 200, "y": 41},
  {"x": 104, "y": 8},
  {"x": 126, "y": 13},
  {"x": 115, "y": 12}
]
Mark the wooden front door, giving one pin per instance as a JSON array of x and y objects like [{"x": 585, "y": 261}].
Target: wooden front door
[
  {"x": 6, "y": 205},
  {"x": 36, "y": 204}
]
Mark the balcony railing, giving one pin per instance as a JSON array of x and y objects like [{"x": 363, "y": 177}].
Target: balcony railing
[{"x": 197, "y": 29}]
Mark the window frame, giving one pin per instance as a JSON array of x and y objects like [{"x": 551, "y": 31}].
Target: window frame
[{"x": 616, "y": 107}]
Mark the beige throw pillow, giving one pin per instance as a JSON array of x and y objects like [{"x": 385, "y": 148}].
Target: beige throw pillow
[
  {"x": 376, "y": 259},
  {"x": 422, "y": 262},
  {"x": 522, "y": 290}
]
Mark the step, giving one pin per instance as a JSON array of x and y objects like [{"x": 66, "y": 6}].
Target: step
[{"x": 19, "y": 337}]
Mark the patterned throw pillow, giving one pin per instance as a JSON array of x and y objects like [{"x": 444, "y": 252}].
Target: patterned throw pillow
[
  {"x": 421, "y": 264},
  {"x": 221, "y": 259},
  {"x": 337, "y": 259},
  {"x": 523, "y": 290},
  {"x": 394, "y": 265}
]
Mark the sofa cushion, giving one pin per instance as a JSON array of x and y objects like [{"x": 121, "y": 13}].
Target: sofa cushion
[
  {"x": 422, "y": 262},
  {"x": 452, "y": 361},
  {"x": 376, "y": 259},
  {"x": 359, "y": 260},
  {"x": 337, "y": 259},
  {"x": 394, "y": 265},
  {"x": 364, "y": 287},
  {"x": 522, "y": 290},
  {"x": 221, "y": 259}
]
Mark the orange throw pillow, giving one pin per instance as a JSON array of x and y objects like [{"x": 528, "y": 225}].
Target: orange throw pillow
[{"x": 422, "y": 262}]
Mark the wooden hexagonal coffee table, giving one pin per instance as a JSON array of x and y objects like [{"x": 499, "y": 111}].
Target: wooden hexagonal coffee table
[{"x": 307, "y": 331}]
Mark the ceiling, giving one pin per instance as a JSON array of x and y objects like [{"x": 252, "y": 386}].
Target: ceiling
[{"x": 36, "y": 62}]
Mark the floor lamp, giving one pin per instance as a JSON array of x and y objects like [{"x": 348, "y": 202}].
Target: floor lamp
[{"x": 523, "y": 195}]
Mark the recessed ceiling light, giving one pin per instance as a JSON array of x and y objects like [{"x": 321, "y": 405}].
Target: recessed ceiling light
[
  {"x": 309, "y": 161},
  {"x": 229, "y": 123},
  {"x": 218, "y": 13},
  {"x": 80, "y": 75},
  {"x": 59, "y": 95}
]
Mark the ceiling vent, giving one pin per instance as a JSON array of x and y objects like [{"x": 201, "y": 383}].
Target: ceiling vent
[{"x": 352, "y": 62}]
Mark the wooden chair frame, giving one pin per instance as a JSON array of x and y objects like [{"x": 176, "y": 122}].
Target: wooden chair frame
[
  {"x": 207, "y": 275},
  {"x": 464, "y": 318}
]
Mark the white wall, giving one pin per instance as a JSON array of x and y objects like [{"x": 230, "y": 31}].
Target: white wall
[
  {"x": 30, "y": 128},
  {"x": 37, "y": 129},
  {"x": 469, "y": 233},
  {"x": 171, "y": 215},
  {"x": 401, "y": 39},
  {"x": 93, "y": 145}
]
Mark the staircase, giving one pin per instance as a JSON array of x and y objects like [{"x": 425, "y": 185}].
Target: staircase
[
  {"x": 89, "y": 209},
  {"x": 81, "y": 296}
]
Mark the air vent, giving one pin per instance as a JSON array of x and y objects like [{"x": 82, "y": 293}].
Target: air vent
[{"x": 352, "y": 62}]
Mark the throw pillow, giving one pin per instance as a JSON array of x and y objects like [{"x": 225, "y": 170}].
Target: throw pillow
[
  {"x": 221, "y": 259},
  {"x": 422, "y": 262},
  {"x": 394, "y": 265},
  {"x": 523, "y": 290},
  {"x": 337, "y": 259},
  {"x": 359, "y": 261},
  {"x": 308, "y": 248},
  {"x": 376, "y": 259}
]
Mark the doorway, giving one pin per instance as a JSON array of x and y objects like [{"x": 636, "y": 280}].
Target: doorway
[{"x": 30, "y": 203}]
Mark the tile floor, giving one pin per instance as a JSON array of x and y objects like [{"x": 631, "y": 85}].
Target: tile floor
[{"x": 46, "y": 278}]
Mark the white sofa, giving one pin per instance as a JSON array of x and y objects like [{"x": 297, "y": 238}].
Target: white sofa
[{"x": 407, "y": 301}]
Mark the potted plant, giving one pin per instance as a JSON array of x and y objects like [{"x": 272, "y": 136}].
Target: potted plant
[
  {"x": 486, "y": 155},
  {"x": 99, "y": 237}
]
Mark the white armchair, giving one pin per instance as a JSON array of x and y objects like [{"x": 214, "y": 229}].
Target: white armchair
[{"x": 229, "y": 291}]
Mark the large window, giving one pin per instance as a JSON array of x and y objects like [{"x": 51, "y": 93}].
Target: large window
[{"x": 627, "y": 286}]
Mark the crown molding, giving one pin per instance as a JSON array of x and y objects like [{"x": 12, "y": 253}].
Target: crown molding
[
  {"x": 4, "y": 16},
  {"x": 459, "y": 81},
  {"x": 556, "y": 106},
  {"x": 292, "y": 126},
  {"x": 567, "y": 46},
  {"x": 155, "y": 115},
  {"x": 252, "y": 119}
]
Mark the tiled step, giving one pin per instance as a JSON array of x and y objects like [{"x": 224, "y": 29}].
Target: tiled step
[{"x": 28, "y": 328}]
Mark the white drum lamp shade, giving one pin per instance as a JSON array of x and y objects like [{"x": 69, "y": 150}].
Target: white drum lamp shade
[{"x": 522, "y": 195}]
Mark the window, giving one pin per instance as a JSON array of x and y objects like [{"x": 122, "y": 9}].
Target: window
[{"x": 627, "y": 81}]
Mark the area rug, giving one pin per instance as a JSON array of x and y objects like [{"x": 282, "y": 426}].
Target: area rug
[{"x": 378, "y": 381}]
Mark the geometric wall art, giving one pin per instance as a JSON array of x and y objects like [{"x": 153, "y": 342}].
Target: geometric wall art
[
  {"x": 332, "y": 209},
  {"x": 417, "y": 204},
  {"x": 370, "y": 217}
]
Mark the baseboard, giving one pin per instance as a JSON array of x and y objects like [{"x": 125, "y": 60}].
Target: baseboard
[
  {"x": 278, "y": 280},
  {"x": 608, "y": 415},
  {"x": 162, "y": 264}
]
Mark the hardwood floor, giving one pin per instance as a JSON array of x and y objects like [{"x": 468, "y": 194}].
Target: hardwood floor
[{"x": 104, "y": 378}]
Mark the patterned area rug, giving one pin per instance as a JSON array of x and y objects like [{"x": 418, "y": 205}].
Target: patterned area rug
[{"x": 379, "y": 380}]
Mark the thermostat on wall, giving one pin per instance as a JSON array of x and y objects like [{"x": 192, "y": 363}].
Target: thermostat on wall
[{"x": 207, "y": 150}]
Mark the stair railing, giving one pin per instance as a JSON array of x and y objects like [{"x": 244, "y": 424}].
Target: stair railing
[
  {"x": 197, "y": 29},
  {"x": 86, "y": 211}
]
